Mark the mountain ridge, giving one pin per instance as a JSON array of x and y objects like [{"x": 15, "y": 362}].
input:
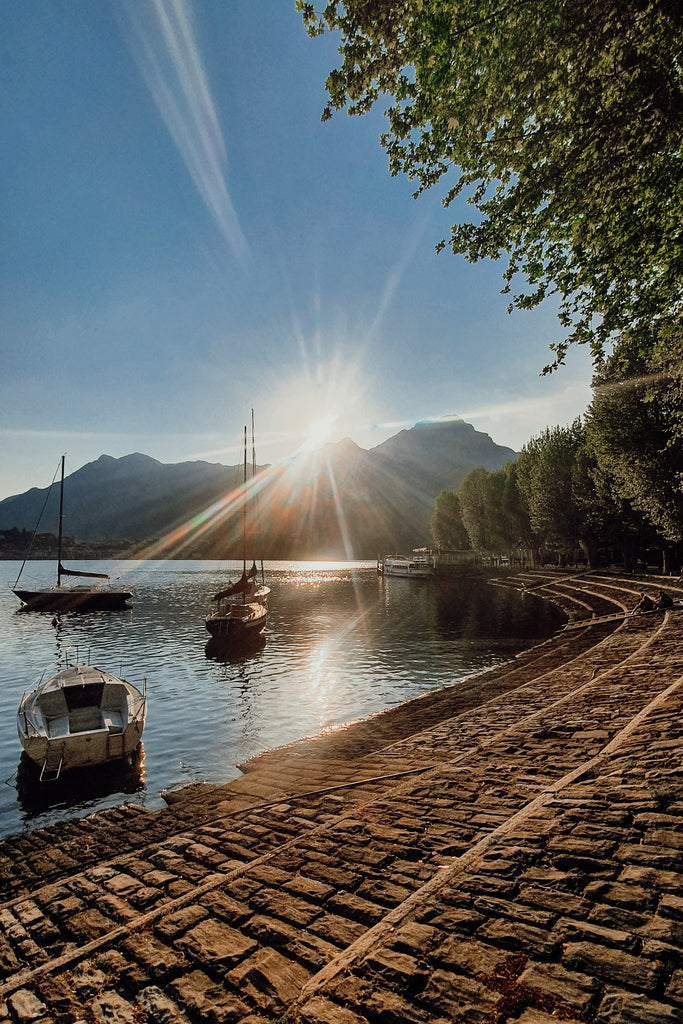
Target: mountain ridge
[{"x": 340, "y": 501}]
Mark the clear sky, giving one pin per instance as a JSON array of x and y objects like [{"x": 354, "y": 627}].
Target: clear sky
[{"x": 183, "y": 239}]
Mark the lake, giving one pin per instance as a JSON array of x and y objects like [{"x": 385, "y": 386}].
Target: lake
[{"x": 341, "y": 643}]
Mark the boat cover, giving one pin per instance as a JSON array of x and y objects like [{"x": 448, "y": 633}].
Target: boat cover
[
  {"x": 239, "y": 587},
  {"x": 75, "y": 572}
]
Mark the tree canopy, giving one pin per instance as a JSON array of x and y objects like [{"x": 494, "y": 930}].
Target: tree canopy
[
  {"x": 559, "y": 122},
  {"x": 635, "y": 429}
]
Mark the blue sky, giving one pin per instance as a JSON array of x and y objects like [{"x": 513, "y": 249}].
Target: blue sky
[{"x": 184, "y": 239}]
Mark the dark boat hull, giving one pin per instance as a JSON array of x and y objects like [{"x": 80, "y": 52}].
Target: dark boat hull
[
  {"x": 227, "y": 627},
  {"x": 74, "y": 600}
]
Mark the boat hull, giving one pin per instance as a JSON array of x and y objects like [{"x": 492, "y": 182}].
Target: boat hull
[
  {"x": 86, "y": 750},
  {"x": 239, "y": 624},
  {"x": 406, "y": 567},
  {"x": 74, "y": 599}
]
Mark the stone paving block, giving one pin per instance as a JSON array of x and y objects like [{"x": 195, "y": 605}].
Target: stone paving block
[
  {"x": 8, "y": 958},
  {"x": 532, "y": 1016},
  {"x": 88, "y": 924},
  {"x": 661, "y": 857},
  {"x": 358, "y": 909},
  {"x": 516, "y": 935},
  {"x": 158, "y": 1008},
  {"x": 459, "y": 999},
  {"x": 26, "y": 1005},
  {"x": 383, "y": 891},
  {"x": 674, "y": 990},
  {"x": 309, "y": 888},
  {"x": 122, "y": 884},
  {"x": 119, "y": 970},
  {"x": 400, "y": 971},
  {"x": 608, "y": 916},
  {"x": 338, "y": 930},
  {"x": 115, "y": 908},
  {"x": 111, "y": 1008},
  {"x": 214, "y": 942},
  {"x": 412, "y": 937},
  {"x": 575, "y": 990},
  {"x": 181, "y": 921},
  {"x": 633, "y": 897},
  {"x": 319, "y": 1010},
  {"x": 631, "y": 1008},
  {"x": 652, "y": 878},
  {"x": 335, "y": 877},
  {"x": 671, "y": 906},
  {"x": 289, "y": 908},
  {"x": 462, "y": 921},
  {"x": 308, "y": 949},
  {"x": 160, "y": 960},
  {"x": 222, "y": 905},
  {"x": 268, "y": 980},
  {"x": 612, "y": 965},
  {"x": 470, "y": 956},
  {"x": 666, "y": 929},
  {"x": 552, "y": 899},
  {"x": 572, "y": 930},
  {"x": 199, "y": 996}
]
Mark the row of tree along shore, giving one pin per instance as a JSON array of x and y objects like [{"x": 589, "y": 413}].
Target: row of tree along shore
[{"x": 607, "y": 489}]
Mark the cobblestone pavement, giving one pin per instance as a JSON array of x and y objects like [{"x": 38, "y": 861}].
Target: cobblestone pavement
[{"x": 509, "y": 849}]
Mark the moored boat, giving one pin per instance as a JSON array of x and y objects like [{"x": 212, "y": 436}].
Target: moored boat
[
  {"x": 417, "y": 567},
  {"x": 86, "y": 598},
  {"x": 241, "y": 611},
  {"x": 80, "y": 717}
]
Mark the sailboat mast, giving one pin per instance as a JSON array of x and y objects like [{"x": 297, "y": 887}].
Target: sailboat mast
[
  {"x": 258, "y": 510},
  {"x": 59, "y": 530},
  {"x": 244, "y": 520}
]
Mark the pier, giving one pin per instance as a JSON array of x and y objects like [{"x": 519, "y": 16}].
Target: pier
[{"x": 506, "y": 850}]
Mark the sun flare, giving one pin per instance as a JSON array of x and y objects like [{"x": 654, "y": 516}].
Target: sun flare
[{"x": 319, "y": 432}]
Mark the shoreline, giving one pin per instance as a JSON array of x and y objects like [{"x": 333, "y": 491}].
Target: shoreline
[{"x": 508, "y": 848}]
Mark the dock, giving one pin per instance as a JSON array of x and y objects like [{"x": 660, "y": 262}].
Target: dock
[{"x": 505, "y": 850}]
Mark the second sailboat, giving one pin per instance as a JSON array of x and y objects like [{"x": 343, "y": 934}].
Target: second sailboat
[{"x": 241, "y": 609}]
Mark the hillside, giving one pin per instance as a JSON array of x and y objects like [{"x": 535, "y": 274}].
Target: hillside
[{"x": 339, "y": 502}]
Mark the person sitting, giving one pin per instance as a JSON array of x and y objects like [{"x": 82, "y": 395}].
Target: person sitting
[
  {"x": 663, "y": 600},
  {"x": 644, "y": 604}
]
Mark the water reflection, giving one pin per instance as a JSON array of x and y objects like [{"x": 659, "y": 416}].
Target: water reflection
[
  {"x": 81, "y": 788},
  {"x": 341, "y": 643},
  {"x": 231, "y": 653}
]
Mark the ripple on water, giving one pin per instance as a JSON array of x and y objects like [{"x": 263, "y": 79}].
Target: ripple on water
[{"x": 341, "y": 643}]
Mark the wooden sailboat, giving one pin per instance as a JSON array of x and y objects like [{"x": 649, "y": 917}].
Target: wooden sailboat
[
  {"x": 85, "y": 598},
  {"x": 241, "y": 610}
]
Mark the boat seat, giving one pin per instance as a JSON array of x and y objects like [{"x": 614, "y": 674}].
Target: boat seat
[
  {"x": 115, "y": 706},
  {"x": 85, "y": 720},
  {"x": 112, "y": 720},
  {"x": 58, "y": 726}
]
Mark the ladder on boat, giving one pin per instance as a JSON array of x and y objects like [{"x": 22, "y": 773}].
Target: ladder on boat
[{"x": 52, "y": 765}]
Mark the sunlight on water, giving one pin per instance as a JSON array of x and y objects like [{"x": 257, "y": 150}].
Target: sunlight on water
[{"x": 341, "y": 643}]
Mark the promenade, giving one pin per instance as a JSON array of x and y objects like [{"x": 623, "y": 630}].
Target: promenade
[{"x": 508, "y": 849}]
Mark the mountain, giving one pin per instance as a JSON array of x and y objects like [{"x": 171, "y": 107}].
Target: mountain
[{"x": 339, "y": 502}]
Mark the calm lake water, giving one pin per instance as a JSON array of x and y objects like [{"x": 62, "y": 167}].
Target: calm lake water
[{"x": 341, "y": 643}]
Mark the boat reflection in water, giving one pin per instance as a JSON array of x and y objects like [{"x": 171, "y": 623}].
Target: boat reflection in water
[
  {"x": 80, "y": 786},
  {"x": 228, "y": 652}
]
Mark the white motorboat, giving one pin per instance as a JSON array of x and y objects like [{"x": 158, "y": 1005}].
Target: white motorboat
[
  {"x": 417, "y": 567},
  {"x": 78, "y": 718}
]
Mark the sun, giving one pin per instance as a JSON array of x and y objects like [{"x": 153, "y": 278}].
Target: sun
[{"x": 319, "y": 432}]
